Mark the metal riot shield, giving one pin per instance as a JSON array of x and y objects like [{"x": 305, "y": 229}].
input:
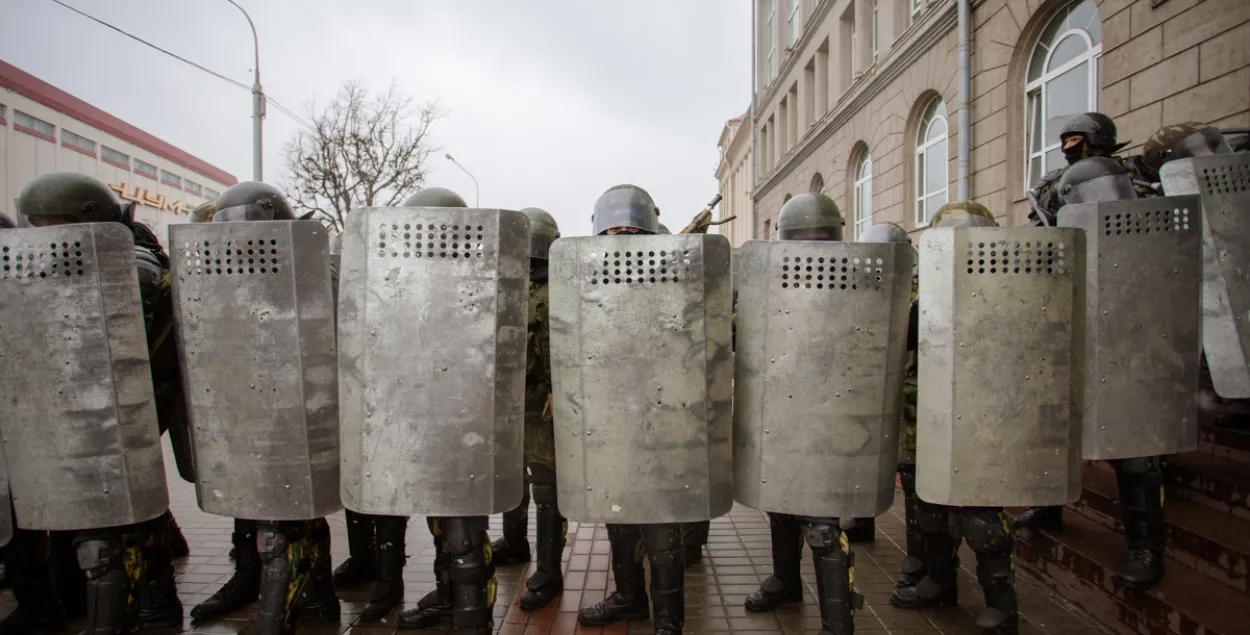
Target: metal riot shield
[
  {"x": 1143, "y": 269},
  {"x": 1223, "y": 183},
  {"x": 78, "y": 416},
  {"x": 6, "y": 511},
  {"x": 818, "y": 382},
  {"x": 256, "y": 328},
  {"x": 642, "y": 370},
  {"x": 432, "y": 333},
  {"x": 1000, "y": 384}
]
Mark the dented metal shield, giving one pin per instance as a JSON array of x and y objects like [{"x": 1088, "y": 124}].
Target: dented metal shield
[
  {"x": 78, "y": 417},
  {"x": 256, "y": 329},
  {"x": 640, "y": 346},
  {"x": 999, "y": 407},
  {"x": 1143, "y": 272},
  {"x": 1223, "y": 184},
  {"x": 6, "y": 514},
  {"x": 822, "y": 338},
  {"x": 432, "y": 333}
]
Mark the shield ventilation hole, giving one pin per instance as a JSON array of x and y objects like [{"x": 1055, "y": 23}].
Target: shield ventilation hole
[
  {"x": 238, "y": 257},
  {"x": 1150, "y": 222},
  {"x": 840, "y": 273},
  {"x": 431, "y": 240},
  {"x": 39, "y": 262},
  {"x": 640, "y": 267},
  {"x": 1010, "y": 257},
  {"x": 1227, "y": 179}
]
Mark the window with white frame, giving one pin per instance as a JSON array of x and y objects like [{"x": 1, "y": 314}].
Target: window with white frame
[
  {"x": 771, "y": 33},
  {"x": 915, "y": 7},
  {"x": 932, "y": 162},
  {"x": 119, "y": 159},
  {"x": 34, "y": 125},
  {"x": 169, "y": 178},
  {"x": 863, "y": 195},
  {"x": 77, "y": 142},
  {"x": 874, "y": 31},
  {"x": 794, "y": 22},
  {"x": 191, "y": 186},
  {"x": 145, "y": 168},
  {"x": 1062, "y": 80}
]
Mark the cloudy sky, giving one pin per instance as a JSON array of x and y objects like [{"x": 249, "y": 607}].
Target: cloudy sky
[{"x": 549, "y": 102}]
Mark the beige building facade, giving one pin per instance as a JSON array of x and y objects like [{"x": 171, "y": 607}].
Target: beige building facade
[{"x": 859, "y": 98}]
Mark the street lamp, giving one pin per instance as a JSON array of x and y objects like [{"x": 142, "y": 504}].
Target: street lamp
[
  {"x": 475, "y": 189},
  {"x": 258, "y": 102}
]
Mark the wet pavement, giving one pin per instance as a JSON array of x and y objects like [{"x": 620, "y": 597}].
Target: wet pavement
[{"x": 735, "y": 561}]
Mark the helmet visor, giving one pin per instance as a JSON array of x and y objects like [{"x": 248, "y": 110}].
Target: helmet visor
[{"x": 251, "y": 211}]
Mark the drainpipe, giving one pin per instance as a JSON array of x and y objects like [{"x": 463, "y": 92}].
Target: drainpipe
[
  {"x": 965, "y": 100},
  {"x": 754, "y": 76}
]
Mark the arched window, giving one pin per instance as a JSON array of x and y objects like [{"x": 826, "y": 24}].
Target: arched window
[
  {"x": 1062, "y": 80},
  {"x": 863, "y": 195},
  {"x": 932, "y": 159},
  {"x": 818, "y": 184}
]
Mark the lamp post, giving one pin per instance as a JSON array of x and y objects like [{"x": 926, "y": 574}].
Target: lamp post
[
  {"x": 258, "y": 103},
  {"x": 475, "y": 188}
]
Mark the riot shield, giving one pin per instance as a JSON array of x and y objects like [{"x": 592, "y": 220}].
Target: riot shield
[
  {"x": 642, "y": 395},
  {"x": 818, "y": 380},
  {"x": 6, "y": 505},
  {"x": 432, "y": 333},
  {"x": 1143, "y": 269},
  {"x": 256, "y": 329},
  {"x": 78, "y": 416},
  {"x": 1223, "y": 183},
  {"x": 1000, "y": 384}
]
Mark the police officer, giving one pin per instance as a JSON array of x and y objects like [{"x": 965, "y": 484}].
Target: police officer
[
  {"x": 985, "y": 528},
  {"x": 302, "y": 547},
  {"x": 629, "y": 209},
  {"x": 1090, "y": 134},
  {"x": 1140, "y": 480},
  {"x": 129, "y": 569},
  {"x": 464, "y": 571}
]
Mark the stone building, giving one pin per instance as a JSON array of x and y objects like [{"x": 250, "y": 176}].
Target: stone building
[{"x": 859, "y": 98}]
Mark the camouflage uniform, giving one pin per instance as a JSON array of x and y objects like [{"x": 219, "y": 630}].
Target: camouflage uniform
[{"x": 1099, "y": 134}]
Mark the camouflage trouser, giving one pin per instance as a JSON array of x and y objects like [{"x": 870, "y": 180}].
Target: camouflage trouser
[
  {"x": 147, "y": 554},
  {"x": 540, "y": 437},
  {"x": 290, "y": 552},
  {"x": 464, "y": 561}
]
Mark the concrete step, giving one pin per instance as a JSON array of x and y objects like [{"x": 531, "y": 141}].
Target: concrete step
[{"x": 1218, "y": 483}]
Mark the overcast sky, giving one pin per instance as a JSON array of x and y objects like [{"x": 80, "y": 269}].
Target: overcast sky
[{"x": 549, "y": 102}]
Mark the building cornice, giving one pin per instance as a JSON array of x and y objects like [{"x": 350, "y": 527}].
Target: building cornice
[
  {"x": 917, "y": 40},
  {"x": 817, "y": 17}
]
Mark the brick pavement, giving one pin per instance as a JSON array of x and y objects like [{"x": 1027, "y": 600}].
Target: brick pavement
[{"x": 735, "y": 561}]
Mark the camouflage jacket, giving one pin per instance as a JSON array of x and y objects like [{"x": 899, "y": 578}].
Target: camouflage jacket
[
  {"x": 538, "y": 355},
  {"x": 1046, "y": 194},
  {"x": 907, "y": 427},
  {"x": 158, "y": 318}
]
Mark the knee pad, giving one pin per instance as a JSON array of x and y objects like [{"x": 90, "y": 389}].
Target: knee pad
[
  {"x": 544, "y": 495},
  {"x": 272, "y": 543},
  {"x": 986, "y": 530},
  {"x": 823, "y": 536},
  {"x": 100, "y": 555}
]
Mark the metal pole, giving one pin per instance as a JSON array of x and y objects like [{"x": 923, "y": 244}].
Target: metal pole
[
  {"x": 754, "y": 78},
  {"x": 475, "y": 188},
  {"x": 965, "y": 99},
  {"x": 258, "y": 104}
]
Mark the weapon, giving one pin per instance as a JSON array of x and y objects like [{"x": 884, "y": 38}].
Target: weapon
[{"x": 703, "y": 219}]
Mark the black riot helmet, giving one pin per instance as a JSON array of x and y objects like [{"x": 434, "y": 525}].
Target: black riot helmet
[
  {"x": 626, "y": 206},
  {"x": 1097, "y": 137},
  {"x": 62, "y": 198},
  {"x": 884, "y": 233},
  {"x": 252, "y": 200},
  {"x": 1096, "y": 180},
  {"x": 6, "y": 222},
  {"x": 435, "y": 197},
  {"x": 810, "y": 216}
]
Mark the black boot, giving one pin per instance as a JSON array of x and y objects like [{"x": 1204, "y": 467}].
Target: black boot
[
  {"x": 29, "y": 571},
  {"x": 360, "y": 568},
  {"x": 665, "y": 548},
  {"x": 159, "y": 606},
  {"x": 243, "y": 587},
  {"x": 514, "y": 546},
  {"x": 938, "y": 587},
  {"x": 835, "y": 570},
  {"x": 320, "y": 603},
  {"x": 629, "y": 600},
  {"x": 784, "y": 586},
  {"x": 913, "y": 569},
  {"x": 178, "y": 547},
  {"x": 435, "y": 606},
  {"x": 860, "y": 530},
  {"x": 102, "y": 557},
  {"x": 1001, "y": 612},
  {"x": 1141, "y": 498},
  {"x": 71, "y": 582},
  {"x": 388, "y": 591},
  {"x": 547, "y": 582},
  {"x": 694, "y": 538},
  {"x": 1039, "y": 518},
  {"x": 472, "y": 576}
]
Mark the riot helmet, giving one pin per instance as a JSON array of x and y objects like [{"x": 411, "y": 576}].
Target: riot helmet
[
  {"x": 957, "y": 214},
  {"x": 1096, "y": 180},
  {"x": 1183, "y": 141},
  {"x": 664, "y": 229},
  {"x": 62, "y": 198},
  {"x": 810, "y": 216},
  {"x": 1088, "y": 134},
  {"x": 884, "y": 233},
  {"x": 626, "y": 207},
  {"x": 435, "y": 197},
  {"x": 6, "y": 222},
  {"x": 543, "y": 231},
  {"x": 252, "y": 200},
  {"x": 204, "y": 212}
]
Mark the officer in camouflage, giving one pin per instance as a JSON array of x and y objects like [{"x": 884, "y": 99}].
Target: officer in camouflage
[
  {"x": 942, "y": 527},
  {"x": 130, "y": 567},
  {"x": 464, "y": 570},
  {"x": 301, "y": 547}
]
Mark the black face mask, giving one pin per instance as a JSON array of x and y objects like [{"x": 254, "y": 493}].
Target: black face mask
[{"x": 1076, "y": 152}]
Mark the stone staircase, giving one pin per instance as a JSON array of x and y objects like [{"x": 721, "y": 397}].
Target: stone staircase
[{"x": 1206, "y": 590}]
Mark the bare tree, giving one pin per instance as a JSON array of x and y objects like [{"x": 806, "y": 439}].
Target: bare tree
[{"x": 363, "y": 150}]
